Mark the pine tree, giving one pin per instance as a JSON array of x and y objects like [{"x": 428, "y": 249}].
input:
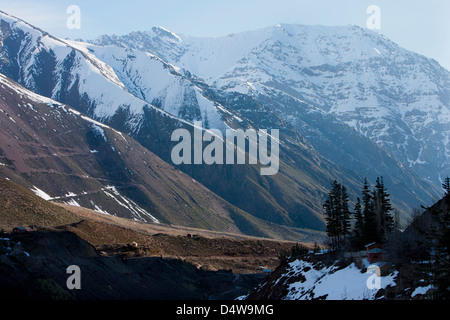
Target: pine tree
[
  {"x": 332, "y": 208},
  {"x": 331, "y": 221},
  {"x": 370, "y": 224},
  {"x": 345, "y": 212},
  {"x": 316, "y": 248},
  {"x": 382, "y": 209},
  {"x": 358, "y": 229},
  {"x": 337, "y": 213},
  {"x": 373, "y": 220},
  {"x": 396, "y": 218},
  {"x": 446, "y": 185}
]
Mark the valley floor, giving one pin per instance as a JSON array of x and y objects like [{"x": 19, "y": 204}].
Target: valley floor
[
  {"x": 206, "y": 249},
  {"x": 121, "y": 259}
]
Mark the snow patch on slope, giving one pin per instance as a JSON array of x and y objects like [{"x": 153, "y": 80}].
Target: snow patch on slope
[
  {"x": 332, "y": 283},
  {"x": 41, "y": 193},
  {"x": 138, "y": 213}
]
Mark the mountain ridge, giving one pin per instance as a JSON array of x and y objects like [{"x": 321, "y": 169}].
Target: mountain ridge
[
  {"x": 358, "y": 75},
  {"x": 95, "y": 170},
  {"x": 289, "y": 198}
]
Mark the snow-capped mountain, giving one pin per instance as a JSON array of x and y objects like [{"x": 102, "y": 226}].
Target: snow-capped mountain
[
  {"x": 69, "y": 73},
  {"x": 64, "y": 156},
  {"x": 399, "y": 99},
  {"x": 64, "y": 71},
  {"x": 160, "y": 84},
  {"x": 149, "y": 84}
]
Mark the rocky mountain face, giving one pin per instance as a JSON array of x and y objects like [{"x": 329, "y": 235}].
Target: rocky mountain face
[
  {"x": 147, "y": 84},
  {"x": 333, "y": 86},
  {"x": 64, "y": 156},
  {"x": 398, "y": 99}
]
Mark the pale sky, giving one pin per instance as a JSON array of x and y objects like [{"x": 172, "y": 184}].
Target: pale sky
[{"x": 417, "y": 25}]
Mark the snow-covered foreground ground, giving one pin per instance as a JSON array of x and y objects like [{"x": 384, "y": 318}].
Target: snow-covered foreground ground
[
  {"x": 305, "y": 280},
  {"x": 333, "y": 283}
]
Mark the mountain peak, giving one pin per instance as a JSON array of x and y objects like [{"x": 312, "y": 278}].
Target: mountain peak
[
  {"x": 163, "y": 32},
  {"x": 4, "y": 16},
  {"x": 325, "y": 85}
]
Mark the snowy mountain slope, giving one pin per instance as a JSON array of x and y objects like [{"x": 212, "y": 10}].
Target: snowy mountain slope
[
  {"x": 117, "y": 84},
  {"x": 152, "y": 127},
  {"x": 397, "y": 98},
  {"x": 266, "y": 74},
  {"x": 64, "y": 71},
  {"x": 64, "y": 156},
  {"x": 152, "y": 80},
  {"x": 44, "y": 53}
]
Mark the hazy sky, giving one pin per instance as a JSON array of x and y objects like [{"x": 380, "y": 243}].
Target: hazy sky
[{"x": 417, "y": 25}]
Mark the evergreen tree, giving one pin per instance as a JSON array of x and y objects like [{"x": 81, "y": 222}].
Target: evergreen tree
[
  {"x": 330, "y": 221},
  {"x": 396, "y": 218},
  {"x": 332, "y": 208},
  {"x": 382, "y": 209},
  {"x": 446, "y": 185},
  {"x": 337, "y": 214},
  {"x": 437, "y": 241},
  {"x": 370, "y": 224},
  {"x": 358, "y": 230},
  {"x": 373, "y": 220},
  {"x": 316, "y": 248},
  {"x": 345, "y": 212}
]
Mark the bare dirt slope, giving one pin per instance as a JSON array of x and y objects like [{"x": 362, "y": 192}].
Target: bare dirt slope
[
  {"x": 115, "y": 236},
  {"x": 204, "y": 248},
  {"x": 119, "y": 258}
]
